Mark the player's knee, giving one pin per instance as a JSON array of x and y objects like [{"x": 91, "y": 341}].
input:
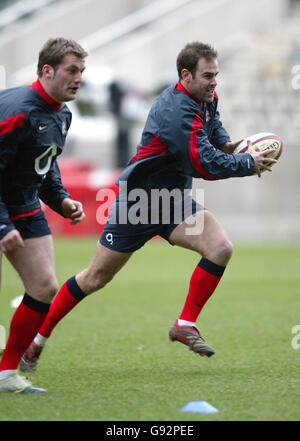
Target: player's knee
[
  {"x": 51, "y": 290},
  {"x": 224, "y": 251},
  {"x": 46, "y": 290},
  {"x": 221, "y": 252}
]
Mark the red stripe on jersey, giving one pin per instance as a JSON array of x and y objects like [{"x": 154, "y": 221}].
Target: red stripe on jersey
[
  {"x": 37, "y": 86},
  {"x": 155, "y": 147},
  {"x": 29, "y": 213},
  {"x": 9, "y": 124},
  {"x": 193, "y": 151},
  {"x": 180, "y": 87}
]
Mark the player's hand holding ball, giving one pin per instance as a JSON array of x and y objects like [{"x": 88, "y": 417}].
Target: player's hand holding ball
[
  {"x": 261, "y": 159},
  {"x": 265, "y": 149}
]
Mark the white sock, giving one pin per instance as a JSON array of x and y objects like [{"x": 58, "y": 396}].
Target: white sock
[
  {"x": 40, "y": 340},
  {"x": 7, "y": 372},
  {"x": 185, "y": 323}
]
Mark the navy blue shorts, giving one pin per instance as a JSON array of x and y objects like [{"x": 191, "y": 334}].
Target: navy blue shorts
[
  {"x": 34, "y": 225},
  {"x": 125, "y": 233}
]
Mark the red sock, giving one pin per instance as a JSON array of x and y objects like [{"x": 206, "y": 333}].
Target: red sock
[
  {"x": 65, "y": 300},
  {"x": 203, "y": 283},
  {"x": 24, "y": 326}
]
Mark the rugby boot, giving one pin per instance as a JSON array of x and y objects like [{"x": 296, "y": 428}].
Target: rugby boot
[
  {"x": 29, "y": 360},
  {"x": 190, "y": 336},
  {"x": 16, "y": 384}
]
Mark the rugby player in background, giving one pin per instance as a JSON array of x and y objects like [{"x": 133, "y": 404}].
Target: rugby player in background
[{"x": 34, "y": 122}]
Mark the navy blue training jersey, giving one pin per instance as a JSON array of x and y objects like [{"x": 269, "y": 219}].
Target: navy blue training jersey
[
  {"x": 182, "y": 139},
  {"x": 33, "y": 129}
]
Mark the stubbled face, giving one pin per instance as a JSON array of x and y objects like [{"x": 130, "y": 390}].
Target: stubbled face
[
  {"x": 64, "y": 81},
  {"x": 203, "y": 84}
]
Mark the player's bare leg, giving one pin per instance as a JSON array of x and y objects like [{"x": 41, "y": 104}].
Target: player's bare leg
[
  {"x": 35, "y": 265},
  {"x": 213, "y": 244},
  {"x": 104, "y": 265}
]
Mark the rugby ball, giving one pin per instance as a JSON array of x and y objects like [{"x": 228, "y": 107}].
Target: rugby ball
[{"x": 261, "y": 142}]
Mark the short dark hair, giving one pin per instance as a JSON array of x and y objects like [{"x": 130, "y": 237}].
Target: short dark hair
[
  {"x": 188, "y": 57},
  {"x": 55, "y": 49}
]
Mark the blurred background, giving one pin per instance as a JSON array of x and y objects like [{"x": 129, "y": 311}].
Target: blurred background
[{"x": 132, "y": 47}]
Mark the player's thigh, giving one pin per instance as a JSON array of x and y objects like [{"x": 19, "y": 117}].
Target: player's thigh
[
  {"x": 204, "y": 234},
  {"x": 35, "y": 265},
  {"x": 104, "y": 265}
]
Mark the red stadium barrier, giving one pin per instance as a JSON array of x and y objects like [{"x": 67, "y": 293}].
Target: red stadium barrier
[{"x": 83, "y": 182}]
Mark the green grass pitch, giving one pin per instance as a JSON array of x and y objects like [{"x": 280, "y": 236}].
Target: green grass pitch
[{"x": 110, "y": 359}]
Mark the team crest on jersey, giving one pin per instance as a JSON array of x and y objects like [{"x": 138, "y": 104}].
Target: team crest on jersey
[
  {"x": 207, "y": 116},
  {"x": 64, "y": 128}
]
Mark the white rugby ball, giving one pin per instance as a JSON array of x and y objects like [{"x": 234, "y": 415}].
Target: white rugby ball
[{"x": 261, "y": 142}]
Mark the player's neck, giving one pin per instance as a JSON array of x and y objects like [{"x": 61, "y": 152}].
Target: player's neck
[
  {"x": 182, "y": 85},
  {"x": 42, "y": 90},
  {"x": 48, "y": 90}
]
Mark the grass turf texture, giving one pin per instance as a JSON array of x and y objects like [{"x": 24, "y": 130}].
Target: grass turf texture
[{"x": 110, "y": 358}]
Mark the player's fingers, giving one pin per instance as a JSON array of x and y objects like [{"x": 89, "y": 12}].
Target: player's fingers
[
  {"x": 233, "y": 144},
  {"x": 16, "y": 243},
  {"x": 11, "y": 244},
  {"x": 76, "y": 214},
  {"x": 77, "y": 205},
  {"x": 268, "y": 151},
  {"x": 266, "y": 167},
  {"x": 270, "y": 160},
  {"x": 78, "y": 219},
  {"x": 75, "y": 221},
  {"x": 21, "y": 243},
  {"x": 3, "y": 248},
  {"x": 69, "y": 206}
]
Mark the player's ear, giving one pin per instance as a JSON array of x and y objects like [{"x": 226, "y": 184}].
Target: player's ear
[
  {"x": 186, "y": 75},
  {"x": 48, "y": 71}
]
